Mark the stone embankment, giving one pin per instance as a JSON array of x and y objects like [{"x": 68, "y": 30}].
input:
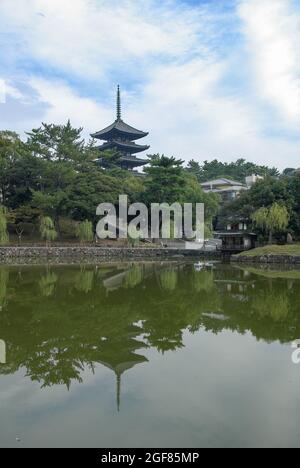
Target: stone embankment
[
  {"x": 267, "y": 259},
  {"x": 87, "y": 253}
]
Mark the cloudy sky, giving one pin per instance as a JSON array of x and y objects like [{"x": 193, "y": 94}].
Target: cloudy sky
[{"x": 206, "y": 78}]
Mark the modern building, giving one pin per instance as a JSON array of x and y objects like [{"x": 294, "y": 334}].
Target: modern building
[
  {"x": 121, "y": 137},
  {"x": 251, "y": 180},
  {"x": 228, "y": 189}
]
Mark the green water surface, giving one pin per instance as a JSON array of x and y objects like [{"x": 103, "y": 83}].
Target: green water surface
[{"x": 149, "y": 355}]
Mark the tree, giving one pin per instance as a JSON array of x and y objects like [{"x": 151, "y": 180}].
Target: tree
[
  {"x": 168, "y": 182},
  {"x": 272, "y": 220},
  {"x": 84, "y": 231},
  {"x": 47, "y": 229},
  {"x": 237, "y": 170},
  {"x": 18, "y": 170},
  {"x": 262, "y": 194},
  {"x": 61, "y": 143},
  {"x": 87, "y": 190},
  {"x": 4, "y": 238},
  {"x": 110, "y": 159},
  {"x": 165, "y": 181},
  {"x": 293, "y": 187},
  {"x": 195, "y": 194},
  {"x": 23, "y": 220}
]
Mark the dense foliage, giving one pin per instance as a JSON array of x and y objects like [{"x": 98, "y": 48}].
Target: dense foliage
[
  {"x": 271, "y": 192},
  {"x": 56, "y": 175},
  {"x": 235, "y": 171}
]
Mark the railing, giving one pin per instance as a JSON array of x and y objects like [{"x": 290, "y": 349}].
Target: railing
[{"x": 228, "y": 248}]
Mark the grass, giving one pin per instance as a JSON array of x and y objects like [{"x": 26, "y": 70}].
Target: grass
[
  {"x": 291, "y": 250},
  {"x": 272, "y": 274}
]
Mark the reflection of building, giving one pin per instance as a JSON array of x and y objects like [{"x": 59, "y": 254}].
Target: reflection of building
[
  {"x": 119, "y": 356},
  {"x": 2, "y": 352},
  {"x": 114, "y": 282},
  {"x": 237, "y": 284},
  {"x": 121, "y": 137}
]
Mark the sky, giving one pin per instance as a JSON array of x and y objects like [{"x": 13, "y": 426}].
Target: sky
[{"x": 207, "y": 78}]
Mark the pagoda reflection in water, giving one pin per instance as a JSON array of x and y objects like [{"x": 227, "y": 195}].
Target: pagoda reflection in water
[{"x": 59, "y": 322}]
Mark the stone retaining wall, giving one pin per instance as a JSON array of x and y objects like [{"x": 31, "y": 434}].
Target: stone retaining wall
[{"x": 7, "y": 254}]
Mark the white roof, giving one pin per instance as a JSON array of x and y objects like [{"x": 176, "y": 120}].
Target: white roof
[{"x": 222, "y": 182}]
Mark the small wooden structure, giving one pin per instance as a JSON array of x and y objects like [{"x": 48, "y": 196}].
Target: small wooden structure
[{"x": 237, "y": 241}]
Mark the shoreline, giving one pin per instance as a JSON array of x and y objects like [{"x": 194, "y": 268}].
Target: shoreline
[
  {"x": 90, "y": 254},
  {"x": 267, "y": 259}
]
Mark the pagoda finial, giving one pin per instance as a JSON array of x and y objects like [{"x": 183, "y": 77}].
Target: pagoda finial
[
  {"x": 118, "y": 103},
  {"x": 118, "y": 391}
]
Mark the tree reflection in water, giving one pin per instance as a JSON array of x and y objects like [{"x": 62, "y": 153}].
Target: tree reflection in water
[{"x": 60, "y": 323}]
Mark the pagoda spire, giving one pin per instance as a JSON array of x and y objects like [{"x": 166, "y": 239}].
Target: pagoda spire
[
  {"x": 119, "y": 109},
  {"x": 120, "y": 137},
  {"x": 118, "y": 391}
]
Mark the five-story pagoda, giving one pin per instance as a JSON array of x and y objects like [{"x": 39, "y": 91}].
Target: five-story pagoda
[{"x": 121, "y": 137}]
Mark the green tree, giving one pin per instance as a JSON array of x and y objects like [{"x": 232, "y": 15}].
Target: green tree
[
  {"x": 165, "y": 182},
  {"x": 195, "y": 194},
  {"x": 47, "y": 229},
  {"x": 87, "y": 190},
  {"x": 263, "y": 194},
  {"x": 23, "y": 220},
  {"x": 237, "y": 170},
  {"x": 84, "y": 231},
  {"x": 60, "y": 143},
  {"x": 19, "y": 170},
  {"x": 64, "y": 155},
  {"x": 293, "y": 187},
  {"x": 110, "y": 159},
  {"x": 4, "y": 238},
  {"x": 272, "y": 220}
]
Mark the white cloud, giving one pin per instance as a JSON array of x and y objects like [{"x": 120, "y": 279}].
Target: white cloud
[
  {"x": 85, "y": 36},
  {"x": 272, "y": 29},
  {"x": 6, "y": 89},
  {"x": 62, "y": 103},
  {"x": 183, "y": 84}
]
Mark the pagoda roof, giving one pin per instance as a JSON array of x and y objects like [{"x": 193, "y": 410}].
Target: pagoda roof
[
  {"x": 119, "y": 128},
  {"x": 125, "y": 147},
  {"x": 130, "y": 161}
]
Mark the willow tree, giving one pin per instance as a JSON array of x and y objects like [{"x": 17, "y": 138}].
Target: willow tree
[
  {"x": 4, "y": 238},
  {"x": 84, "y": 231},
  {"x": 272, "y": 220},
  {"x": 168, "y": 279},
  {"x": 47, "y": 284},
  {"x": 47, "y": 229}
]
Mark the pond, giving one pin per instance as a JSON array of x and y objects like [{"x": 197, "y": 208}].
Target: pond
[{"x": 156, "y": 354}]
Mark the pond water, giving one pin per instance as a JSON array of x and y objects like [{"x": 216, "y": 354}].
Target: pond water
[{"x": 149, "y": 355}]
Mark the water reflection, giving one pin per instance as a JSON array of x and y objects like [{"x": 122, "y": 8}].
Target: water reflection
[{"x": 58, "y": 322}]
